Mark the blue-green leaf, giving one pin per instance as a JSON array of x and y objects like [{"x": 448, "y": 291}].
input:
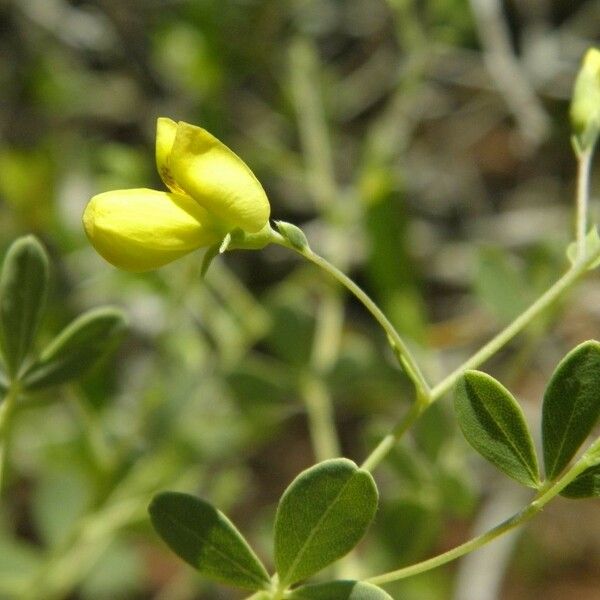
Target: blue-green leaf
[
  {"x": 77, "y": 348},
  {"x": 585, "y": 485},
  {"x": 322, "y": 515},
  {"x": 340, "y": 590},
  {"x": 206, "y": 539},
  {"x": 23, "y": 291},
  {"x": 493, "y": 423},
  {"x": 571, "y": 406}
]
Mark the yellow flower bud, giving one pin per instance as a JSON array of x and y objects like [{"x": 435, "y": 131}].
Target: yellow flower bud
[
  {"x": 140, "y": 229},
  {"x": 585, "y": 106},
  {"x": 212, "y": 193}
]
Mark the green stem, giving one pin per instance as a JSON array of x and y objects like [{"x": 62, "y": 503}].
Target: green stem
[
  {"x": 425, "y": 394},
  {"x": 499, "y": 340},
  {"x": 546, "y": 494},
  {"x": 584, "y": 163},
  {"x": 408, "y": 362},
  {"x": 7, "y": 409},
  {"x": 388, "y": 442},
  {"x": 495, "y": 344}
]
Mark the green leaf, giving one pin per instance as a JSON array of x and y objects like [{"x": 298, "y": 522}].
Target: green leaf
[
  {"x": 321, "y": 516},
  {"x": 493, "y": 423},
  {"x": 571, "y": 406},
  {"x": 585, "y": 485},
  {"x": 77, "y": 348},
  {"x": 206, "y": 539},
  {"x": 340, "y": 590},
  {"x": 23, "y": 291}
]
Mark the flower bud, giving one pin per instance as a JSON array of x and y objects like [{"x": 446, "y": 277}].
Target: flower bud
[{"x": 585, "y": 105}]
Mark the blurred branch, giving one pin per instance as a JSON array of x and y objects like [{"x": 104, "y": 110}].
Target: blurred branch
[
  {"x": 74, "y": 27},
  {"x": 312, "y": 128},
  {"x": 320, "y": 175},
  {"x": 511, "y": 82}
]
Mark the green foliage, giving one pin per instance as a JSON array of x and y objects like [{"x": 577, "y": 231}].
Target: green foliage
[
  {"x": 571, "y": 406},
  {"x": 321, "y": 516},
  {"x": 585, "y": 485},
  {"x": 500, "y": 284},
  {"x": 81, "y": 344},
  {"x": 339, "y": 590},
  {"x": 23, "y": 291},
  {"x": 493, "y": 423},
  {"x": 206, "y": 539}
]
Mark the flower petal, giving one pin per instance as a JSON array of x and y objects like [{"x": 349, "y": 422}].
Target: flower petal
[
  {"x": 165, "y": 136},
  {"x": 141, "y": 229},
  {"x": 218, "y": 179}
]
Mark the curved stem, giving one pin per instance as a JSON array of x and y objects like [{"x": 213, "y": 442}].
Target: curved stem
[
  {"x": 409, "y": 364},
  {"x": 549, "y": 491},
  {"x": 425, "y": 394}
]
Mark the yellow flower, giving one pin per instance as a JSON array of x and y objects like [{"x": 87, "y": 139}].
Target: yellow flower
[{"x": 212, "y": 192}]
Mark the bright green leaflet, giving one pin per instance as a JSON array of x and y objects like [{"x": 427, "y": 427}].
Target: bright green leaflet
[
  {"x": 493, "y": 423},
  {"x": 571, "y": 406},
  {"x": 206, "y": 539},
  {"x": 340, "y": 590},
  {"x": 322, "y": 515},
  {"x": 585, "y": 485},
  {"x": 23, "y": 291},
  {"x": 76, "y": 348}
]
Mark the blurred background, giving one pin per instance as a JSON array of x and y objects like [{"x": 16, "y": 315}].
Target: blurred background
[{"x": 424, "y": 147}]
